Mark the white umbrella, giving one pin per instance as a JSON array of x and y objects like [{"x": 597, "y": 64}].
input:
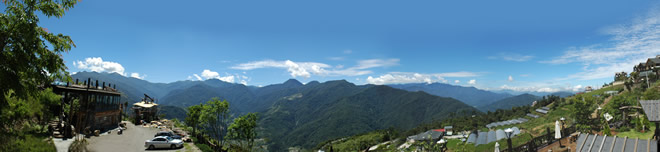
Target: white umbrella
[
  {"x": 557, "y": 130},
  {"x": 497, "y": 147}
]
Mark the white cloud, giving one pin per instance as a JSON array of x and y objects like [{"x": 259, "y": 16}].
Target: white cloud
[
  {"x": 401, "y": 78},
  {"x": 577, "y": 88},
  {"x": 97, "y": 64},
  {"x": 372, "y": 63},
  {"x": 336, "y": 58},
  {"x": 307, "y": 69},
  {"x": 530, "y": 89},
  {"x": 473, "y": 81},
  {"x": 512, "y": 57},
  {"x": 510, "y": 78},
  {"x": 137, "y": 75},
  {"x": 630, "y": 45},
  {"x": 208, "y": 74},
  {"x": 543, "y": 88},
  {"x": 409, "y": 77},
  {"x": 457, "y": 81},
  {"x": 197, "y": 77},
  {"x": 348, "y": 51}
]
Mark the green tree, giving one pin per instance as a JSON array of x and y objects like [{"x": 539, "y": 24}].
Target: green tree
[
  {"x": 583, "y": 109},
  {"x": 215, "y": 118},
  {"x": 26, "y": 60},
  {"x": 193, "y": 117},
  {"x": 243, "y": 131},
  {"x": 38, "y": 108}
]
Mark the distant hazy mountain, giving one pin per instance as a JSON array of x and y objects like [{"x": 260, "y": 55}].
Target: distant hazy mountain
[
  {"x": 469, "y": 95},
  {"x": 562, "y": 94},
  {"x": 510, "y": 102},
  {"x": 536, "y": 93}
]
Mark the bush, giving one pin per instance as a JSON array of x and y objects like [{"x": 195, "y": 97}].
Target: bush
[
  {"x": 622, "y": 129},
  {"x": 28, "y": 143},
  {"x": 78, "y": 145},
  {"x": 204, "y": 147}
]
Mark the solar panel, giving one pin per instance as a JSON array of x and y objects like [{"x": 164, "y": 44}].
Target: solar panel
[
  {"x": 652, "y": 109},
  {"x": 641, "y": 145},
  {"x": 588, "y": 143},
  {"x": 630, "y": 145},
  {"x": 596, "y": 144},
  {"x": 608, "y": 143},
  {"x": 580, "y": 141},
  {"x": 618, "y": 146},
  {"x": 653, "y": 147}
]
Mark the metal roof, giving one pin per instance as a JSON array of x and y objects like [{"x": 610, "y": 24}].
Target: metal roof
[
  {"x": 500, "y": 134},
  {"x": 428, "y": 135},
  {"x": 492, "y": 137},
  {"x": 482, "y": 138},
  {"x": 651, "y": 109},
  {"x": 472, "y": 138},
  {"x": 654, "y": 60},
  {"x": 542, "y": 111},
  {"x": 533, "y": 115},
  {"x": 596, "y": 143},
  {"x": 507, "y": 122}
]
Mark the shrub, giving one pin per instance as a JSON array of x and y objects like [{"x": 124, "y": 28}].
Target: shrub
[
  {"x": 28, "y": 143},
  {"x": 204, "y": 147}
]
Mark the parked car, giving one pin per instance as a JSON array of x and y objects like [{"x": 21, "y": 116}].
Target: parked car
[
  {"x": 163, "y": 142},
  {"x": 167, "y": 133}
]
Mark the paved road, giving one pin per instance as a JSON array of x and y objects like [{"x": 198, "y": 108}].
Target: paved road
[{"x": 132, "y": 140}]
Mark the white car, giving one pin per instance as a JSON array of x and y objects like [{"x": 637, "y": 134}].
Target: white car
[{"x": 163, "y": 142}]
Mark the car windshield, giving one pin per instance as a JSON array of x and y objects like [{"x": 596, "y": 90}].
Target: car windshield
[{"x": 169, "y": 138}]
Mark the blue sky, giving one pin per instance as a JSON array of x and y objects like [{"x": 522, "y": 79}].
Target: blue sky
[{"x": 517, "y": 45}]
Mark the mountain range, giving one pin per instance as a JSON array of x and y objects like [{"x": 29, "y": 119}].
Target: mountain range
[
  {"x": 508, "y": 103},
  {"x": 469, "y": 95},
  {"x": 296, "y": 114}
]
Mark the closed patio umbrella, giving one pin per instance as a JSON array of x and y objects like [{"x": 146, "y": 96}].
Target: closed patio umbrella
[{"x": 557, "y": 130}]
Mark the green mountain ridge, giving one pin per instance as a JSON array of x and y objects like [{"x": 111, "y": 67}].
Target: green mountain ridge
[{"x": 296, "y": 114}]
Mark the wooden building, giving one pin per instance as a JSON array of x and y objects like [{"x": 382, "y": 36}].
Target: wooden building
[
  {"x": 145, "y": 110},
  {"x": 99, "y": 107}
]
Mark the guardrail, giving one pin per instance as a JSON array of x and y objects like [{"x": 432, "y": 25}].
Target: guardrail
[{"x": 544, "y": 140}]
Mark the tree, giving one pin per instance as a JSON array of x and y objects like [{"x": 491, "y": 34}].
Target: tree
[
  {"x": 26, "y": 61},
  {"x": 38, "y": 109},
  {"x": 215, "y": 117},
  {"x": 243, "y": 131},
  {"x": 582, "y": 113},
  {"x": 193, "y": 117}
]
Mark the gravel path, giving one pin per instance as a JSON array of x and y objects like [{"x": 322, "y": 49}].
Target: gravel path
[{"x": 131, "y": 140}]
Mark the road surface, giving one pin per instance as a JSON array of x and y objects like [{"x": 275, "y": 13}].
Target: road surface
[{"x": 132, "y": 140}]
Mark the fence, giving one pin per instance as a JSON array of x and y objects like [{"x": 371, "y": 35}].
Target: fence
[{"x": 544, "y": 140}]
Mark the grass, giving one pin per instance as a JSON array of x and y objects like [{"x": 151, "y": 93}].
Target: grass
[
  {"x": 187, "y": 148},
  {"x": 602, "y": 90},
  {"x": 368, "y": 139},
  {"x": 635, "y": 134}
]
